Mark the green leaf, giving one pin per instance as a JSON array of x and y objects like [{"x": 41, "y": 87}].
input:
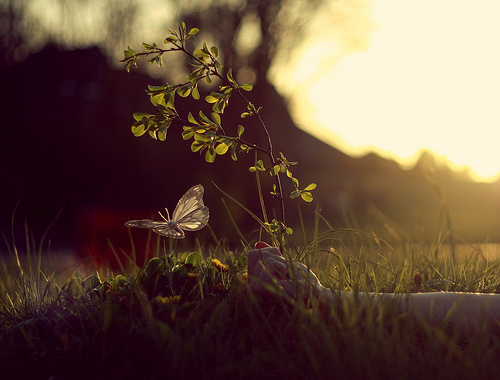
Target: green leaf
[
  {"x": 201, "y": 137},
  {"x": 312, "y": 186},
  {"x": 162, "y": 88},
  {"x": 203, "y": 118},
  {"x": 170, "y": 99},
  {"x": 200, "y": 54},
  {"x": 148, "y": 47},
  {"x": 196, "y": 146},
  {"x": 219, "y": 105},
  {"x": 184, "y": 91},
  {"x": 155, "y": 265},
  {"x": 165, "y": 118},
  {"x": 166, "y": 113},
  {"x": 158, "y": 99},
  {"x": 195, "y": 93},
  {"x": 138, "y": 130},
  {"x": 306, "y": 196},
  {"x": 294, "y": 194},
  {"x": 216, "y": 118},
  {"x": 215, "y": 51},
  {"x": 191, "y": 119},
  {"x": 240, "y": 130},
  {"x": 131, "y": 62},
  {"x": 129, "y": 52},
  {"x": 186, "y": 135},
  {"x": 221, "y": 149},
  {"x": 193, "y": 62},
  {"x": 259, "y": 165},
  {"x": 210, "y": 155},
  {"x": 211, "y": 98},
  {"x": 230, "y": 76},
  {"x": 162, "y": 134},
  {"x": 138, "y": 116},
  {"x": 171, "y": 40},
  {"x": 195, "y": 75},
  {"x": 234, "y": 156},
  {"x": 295, "y": 181},
  {"x": 194, "y": 31},
  {"x": 194, "y": 258},
  {"x": 247, "y": 87},
  {"x": 156, "y": 59}
]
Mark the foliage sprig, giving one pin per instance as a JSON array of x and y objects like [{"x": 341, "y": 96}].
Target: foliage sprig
[{"x": 206, "y": 131}]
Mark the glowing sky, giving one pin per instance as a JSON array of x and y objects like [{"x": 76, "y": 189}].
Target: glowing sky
[
  {"x": 389, "y": 76},
  {"x": 429, "y": 77}
]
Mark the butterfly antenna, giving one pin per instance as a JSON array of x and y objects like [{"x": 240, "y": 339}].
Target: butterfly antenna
[{"x": 168, "y": 215}]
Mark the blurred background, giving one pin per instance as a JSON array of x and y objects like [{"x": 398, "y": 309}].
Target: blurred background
[{"x": 66, "y": 148}]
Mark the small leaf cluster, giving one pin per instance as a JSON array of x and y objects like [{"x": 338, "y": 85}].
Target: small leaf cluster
[
  {"x": 275, "y": 226},
  {"x": 206, "y": 138},
  {"x": 157, "y": 125},
  {"x": 176, "y": 38},
  {"x": 206, "y": 131},
  {"x": 282, "y": 165}
]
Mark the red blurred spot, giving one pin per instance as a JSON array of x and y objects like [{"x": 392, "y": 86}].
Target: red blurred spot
[{"x": 102, "y": 230}]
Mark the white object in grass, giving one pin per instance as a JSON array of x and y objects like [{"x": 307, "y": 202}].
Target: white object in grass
[
  {"x": 267, "y": 267},
  {"x": 465, "y": 309},
  {"x": 190, "y": 214}
]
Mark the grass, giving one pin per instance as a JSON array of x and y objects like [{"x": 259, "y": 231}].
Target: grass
[{"x": 189, "y": 315}]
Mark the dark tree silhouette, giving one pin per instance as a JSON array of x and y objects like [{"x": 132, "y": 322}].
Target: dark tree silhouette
[{"x": 276, "y": 25}]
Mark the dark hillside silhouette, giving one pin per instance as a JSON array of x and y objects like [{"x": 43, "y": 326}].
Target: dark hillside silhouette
[{"x": 66, "y": 141}]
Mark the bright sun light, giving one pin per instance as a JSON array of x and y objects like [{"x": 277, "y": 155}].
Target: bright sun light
[{"x": 429, "y": 79}]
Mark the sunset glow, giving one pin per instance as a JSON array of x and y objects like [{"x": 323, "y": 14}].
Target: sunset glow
[{"x": 428, "y": 78}]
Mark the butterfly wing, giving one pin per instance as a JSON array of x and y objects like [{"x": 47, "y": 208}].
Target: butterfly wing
[
  {"x": 191, "y": 214},
  {"x": 169, "y": 229},
  {"x": 143, "y": 223}
]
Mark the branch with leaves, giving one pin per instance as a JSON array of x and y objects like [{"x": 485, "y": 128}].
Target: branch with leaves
[{"x": 206, "y": 131}]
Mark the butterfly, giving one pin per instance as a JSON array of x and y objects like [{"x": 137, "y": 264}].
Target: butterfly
[{"x": 190, "y": 214}]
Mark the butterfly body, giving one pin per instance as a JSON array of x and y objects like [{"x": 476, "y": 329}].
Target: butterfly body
[{"x": 190, "y": 214}]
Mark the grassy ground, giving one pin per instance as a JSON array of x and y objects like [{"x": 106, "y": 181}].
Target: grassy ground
[{"x": 190, "y": 316}]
